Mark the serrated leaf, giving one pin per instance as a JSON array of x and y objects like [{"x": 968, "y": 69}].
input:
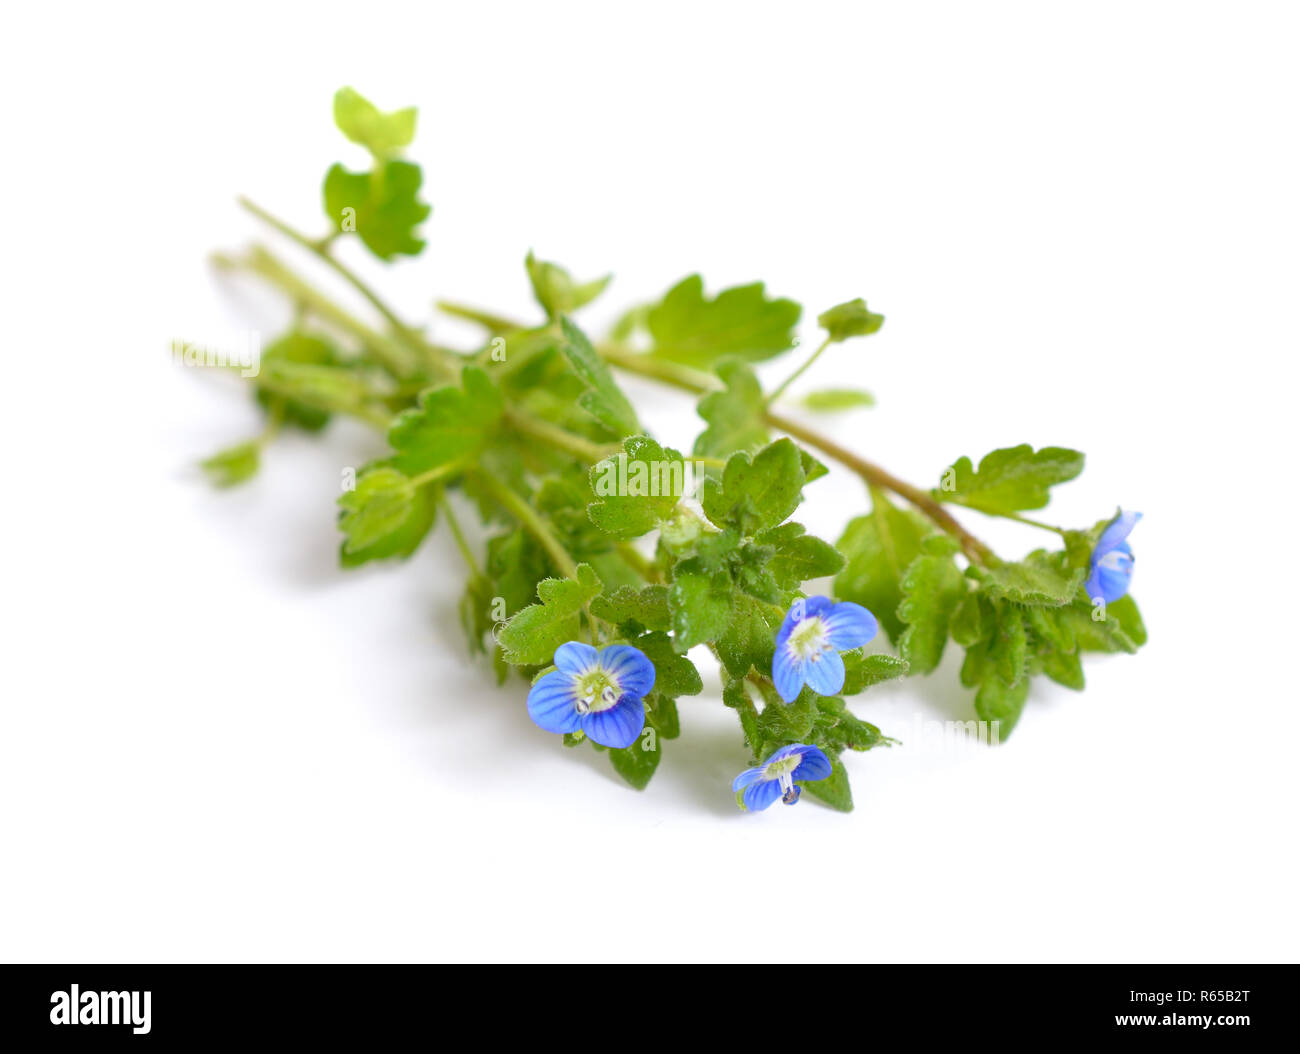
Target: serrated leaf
[
  {"x": 1034, "y": 581},
  {"x": 878, "y": 549},
  {"x": 932, "y": 587},
  {"x": 603, "y": 399},
  {"x": 700, "y": 605},
  {"x": 1009, "y": 480},
  {"x": 382, "y": 206},
  {"x": 675, "y": 674},
  {"x": 381, "y": 503},
  {"x": 449, "y": 426},
  {"x": 735, "y": 414},
  {"x": 782, "y": 723},
  {"x": 688, "y": 328},
  {"x": 556, "y": 290},
  {"x": 838, "y": 728},
  {"x": 801, "y": 558},
  {"x": 401, "y": 540},
  {"x": 851, "y": 319},
  {"x": 837, "y": 400},
  {"x": 758, "y": 493},
  {"x": 531, "y": 636},
  {"x": 637, "y": 489},
  {"x": 234, "y": 465},
  {"x": 646, "y": 607},
  {"x": 361, "y": 121}
]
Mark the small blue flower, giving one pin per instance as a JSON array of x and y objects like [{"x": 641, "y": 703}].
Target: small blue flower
[
  {"x": 809, "y": 641},
  {"x": 1112, "y": 560},
  {"x": 599, "y": 693},
  {"x": 775, "y": 777}
]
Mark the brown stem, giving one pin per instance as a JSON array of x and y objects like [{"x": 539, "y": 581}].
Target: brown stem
[{"x": 669, "y": 373}]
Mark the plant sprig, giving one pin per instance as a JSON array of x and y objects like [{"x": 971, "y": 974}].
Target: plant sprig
[{"x": 612, "y": 556}]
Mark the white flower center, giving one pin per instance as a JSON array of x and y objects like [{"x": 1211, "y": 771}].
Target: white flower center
[
  {"x": 781, "y": 770},
  {"x": 595, "y": 691},
  {"x": 808, "y": 641},
  {"x": 1115, "y": 560}
]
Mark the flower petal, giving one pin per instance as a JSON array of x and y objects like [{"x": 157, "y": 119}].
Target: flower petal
[
  {"x": 788, "y": 673},
  {"x": 814, "y": 766},
  {"x": 618, "y": 726},
  {"x": 575, "y": 657},
  {"x": 747, "y": 777},
  {"x": 552, "y": 703},
  {"x": 849, "y": 626},
  {"x": 634, "y": 672},
  {"x": 758, "y": 796},
  {"x": 825, "y": 675},
  {"x": 1113, "y": 535}
]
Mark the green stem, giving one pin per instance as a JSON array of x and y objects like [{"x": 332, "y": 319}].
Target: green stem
[
  {"x": 495, "y": 324},
  {"x": 583, "y": 449},
  {"x": 421, "y": 348},
  {"x": 776, "y": 394},
  {"x": 1027, "y": 521},
  {"x": 872, "y": 474},
  {"x": 265, "y": 265},
  {"x": 530, "y": 519},
  {"x": 454, "y": 524},
  {"x": 436, "y": 473}
]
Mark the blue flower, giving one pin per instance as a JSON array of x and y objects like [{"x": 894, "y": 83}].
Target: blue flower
[
  {"x": 809, "y": 641},
  {"x": 1112, "y": 560},
  {"x": 775, "y": 777},
  {"x": 599, "y": 693}
]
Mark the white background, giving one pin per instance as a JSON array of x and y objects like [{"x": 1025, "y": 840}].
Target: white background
[{"x": 1081, "y": 222}]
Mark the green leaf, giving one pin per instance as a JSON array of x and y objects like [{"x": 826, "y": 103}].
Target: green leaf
[
  {"x": 401, "y": 540},
  {"x": 700, "y": 605},
  {"x": 531, "y": 636},
  {"x": 304, "y": 349},
  {"x": 736, "y": 696},
  {"x": 862, "y": 671},
  {"x": 932, "y": 588},
  {"x": 234, "y": 465},
  {"x": 800, "y": 557},
  {"x": 646, "y": 607},
  {"x": 688, "y": 328},
  {"x": 835, "y": 400},
  {"x": 753, "y": 495},
  {"x": 782, "y": 723},
  {"x": 834, "y": 789},
  {"x": 636, "y": 489},
  {"x": 1125, "y": 612},
  {"x": 381, "y": 206},
  {"x": 1010, "y": 479},
  {"x": 879, "y": 548},
  {"x": 449, "y": 426},
  {"x": 997, "y": 701},
  {"x": 556, "y": 290},
  {"x": 603, "y": 399},
  {"x": 312, "y": 390},
  {"x": 1064, "y": 668},
  {"x": 735, "y": 414},
  {"x": 636, "y": 764},
  {"x": 748, "y": 639},
  {"x": 675, "y": 674},
  {"x": 361, "y": 121},
  {"x": 851, "y": 319},
  {"x": 1036, "y": 580},
  {"x": 381, "y": 503},
  {"x": 1092, "y": 633},
  {"x": 1009, "y": 649}
]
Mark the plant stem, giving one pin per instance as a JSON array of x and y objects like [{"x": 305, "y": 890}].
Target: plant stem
[
  {"x": 584, "y": 449},
  {"x": 1027, "y": 521},
  {"x": 680, "y": 377},
  {"x": 530, "y": 519},
  {"x": 422, "y": 349},
  {"x": 454, "y": 524},
  {"x": 776, "y": 394}
]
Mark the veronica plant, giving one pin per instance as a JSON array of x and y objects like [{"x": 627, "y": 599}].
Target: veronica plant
[{"x": 611, "y": 562}]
